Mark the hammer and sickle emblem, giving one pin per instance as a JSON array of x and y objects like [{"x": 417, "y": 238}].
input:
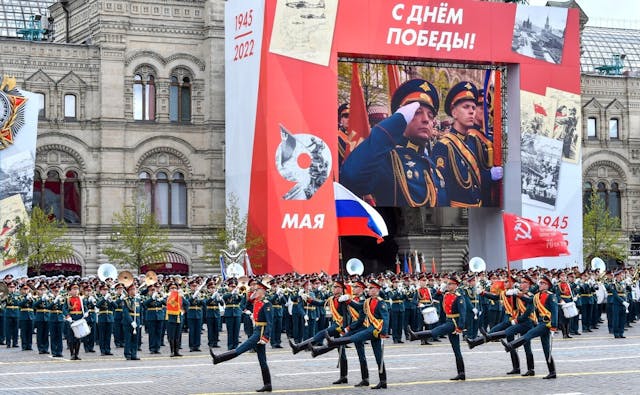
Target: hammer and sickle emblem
[{"x": 522, "y": 229}]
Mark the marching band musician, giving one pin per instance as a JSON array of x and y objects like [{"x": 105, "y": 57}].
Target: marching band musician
[
  {"x": 176, "y": 304},
  {"x": 212, "y": 315},
  {"x": 454, "y": 307},
  {"x": 519, "y": 319},
  {"x": 131, "y": 322},
  {"x": 26, "y": 317},
  {"x": 262, "y": 315},
  {"x": 73, "y": 311},
  {"x": 154, "y": 316},
  {"x": 396, "y": 316},
  {"x": 339, "y": 316},
  {"x": 619, "y": 305},
  {"x": 56, "y": 320},
  {"x": 425, "y": 299},
  {"x": 546, "y": 308},
  {"x": 232, "y": 313},
  {"x": 41, "y": 321},
  {"x": 89, "y": 301},
  {"x": 410, "y": 304},
  {"x": 376, "y": 322},
  {"x": 194, "y": 317},
  {"x": 118, "y": 330},
  {"x": 105, "y": 306},
  {"x": 278, "y": 301},
  {"x": 564, "y": 295}
]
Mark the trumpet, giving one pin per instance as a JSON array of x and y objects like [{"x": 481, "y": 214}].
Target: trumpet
[{"x": 243, "y": 285}]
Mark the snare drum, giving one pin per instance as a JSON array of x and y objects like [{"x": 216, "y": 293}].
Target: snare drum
[
  {"x": 430, "y": 315},
  {"x": 80, "y": 328},
  {"x": 569, "y": 310}
]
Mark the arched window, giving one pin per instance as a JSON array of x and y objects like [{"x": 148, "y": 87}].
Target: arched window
[
  {"x": 613, "y": 129},
  {"x": 614, "y": 201},
  {"x": 592, "y": 128},
  {"x": 72, "y": 204},
  {"x": 59, "y": 196},
  {"x": 41, "y": 102},
  {"x": 586, "y": 197},
  {"x": 180, "y": 99},
  {"x": 144, "y": 97},
  {"x": 166, "y": 198},
  {"x": 178, "y": 199},
  {"x": 37, "y": 190},
  {"x": 70, "y": 106}
]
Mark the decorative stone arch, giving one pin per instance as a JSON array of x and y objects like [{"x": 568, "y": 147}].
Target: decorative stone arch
[
  {"x": 600, "y": 170},
  {"x": 188, "y": 57},
  {"x": 181, "y": 71},
  {"x": 146, "y": 55},
  {"x": 70, "y": 159},
  {"x": 167, "y": 158},
  {"x": 145, "y": 70}
]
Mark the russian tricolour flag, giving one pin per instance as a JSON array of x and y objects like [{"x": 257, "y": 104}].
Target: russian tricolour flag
[{"x": 355, "y": 217}]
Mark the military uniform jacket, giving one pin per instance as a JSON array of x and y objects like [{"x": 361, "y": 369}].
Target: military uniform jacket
[
  {"x": 89, "y": 307},
  {"x": 232, "y": 304},
  {"x": 56, "y": 309},
  {"x": 525, "y": 309},
  {"x": 131, "y": 311},
  {"x": 355, "y": 307},
  {"x": 455, "y": 157},
  {"x": 397, "y": 299},
  {"x": 339, "y": 313},
  {"x": 26, "y": 309},
  {"x": 212, "y": 305},
  {"x": 619, "y": 293},
  {"x": 277, "y": 302},
  {"x": 105, "y": 309},
  {"x": 73, "y": 307},
  {"x": 546, "y": 307},
  {"x": 393, "y": 169},
  {"x": 154, "y": 309},
  {"x": 117, "y": 312},
  {"x": 41, "y": 310},
  {"x": 195, "y": 307},
  {"x": 454, "y": 307},
  {"x": 376, "y": 314},
  {"x": 564, "y": 291},
  {"x": 12, "y": 310},
  {"x": 263, "y": 318}
]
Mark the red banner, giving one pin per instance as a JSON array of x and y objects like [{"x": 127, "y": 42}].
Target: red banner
[{"x": 525, "y": 238}]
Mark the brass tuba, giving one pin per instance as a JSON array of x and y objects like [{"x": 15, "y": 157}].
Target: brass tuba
[{"x": 125, "y": 278}]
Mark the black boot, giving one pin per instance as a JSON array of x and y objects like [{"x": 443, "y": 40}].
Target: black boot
[
  {"x": 383, "y": 379},
  {"x": 530, "y": 371},
  {"x": 413, "y": 336},
  {"x": 364, "y": 371},
  {"x": 515, "y": 362},
  {"x": 266, "y": 379},
  {"x": 344, "y": 367},
  {"x": 510, "y": 346},
  {"x": 341, "y": 380},
  {"x": 77, "y": 351},
  {"x": 72, "y": 351},
  {"x": 338, "y": 341},
  {"x": 172, "y": 349},
  {"x": 225, "y": 356},
  {"x": 296, "y": 348},
  {"x": 460, "y": 366},
  {"x": 476, "y": 342},
  {"x": 491, "y": 337},
  {"x": 319, "y": 350},
  {"x": 552, "y": 369},
  {"x": 176, "y": 349}
]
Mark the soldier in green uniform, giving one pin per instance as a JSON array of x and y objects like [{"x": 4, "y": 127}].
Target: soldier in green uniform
[
  {"x": 232, "y": 312},
  {"x": 89, "y": 341},
  {"x": 105, "y": 306},
  {"x": 25, "y": 301},
  {"x": 56, "y": 320},
  {"x": 212, "y": 302},
  {"x": 154, "y": 315},
  {"x": 176, "y": 304},
  {"x": 73, "y": 311},
  {"x": 118, "y": 330},
  {"x": 41, "y": 321},
  {"x": 131, "y": 323},
  {"x": 278, "y": 301}
]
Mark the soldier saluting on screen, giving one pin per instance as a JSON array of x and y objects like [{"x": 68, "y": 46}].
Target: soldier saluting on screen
[
  {"x": 464, "y": 156},
  {"x": 392, "y": 163}
]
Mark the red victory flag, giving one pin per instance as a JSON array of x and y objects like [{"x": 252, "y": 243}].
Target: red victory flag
[
  {"x": 528, "y": 239},
  {"x": 358, "y": 115},
  {"x": 539, "y": 109},
  {"x": 393, "y": 74}
]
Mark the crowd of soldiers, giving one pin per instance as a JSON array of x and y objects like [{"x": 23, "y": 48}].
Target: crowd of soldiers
[{"x": 317, "y": 313}]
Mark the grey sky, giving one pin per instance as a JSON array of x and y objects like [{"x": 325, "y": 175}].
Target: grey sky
[{"x": 618, "y": 13}]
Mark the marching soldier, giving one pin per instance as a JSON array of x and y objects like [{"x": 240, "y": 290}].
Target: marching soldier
[
  {"x": 56, "y": 320},
  {"x": 26, "y": 317},
  {"x": 392, "y": 163},
  {"x": 339, "y": 316},
  {"x": 546, "y": 309},
  {"x": 473, "y": 307},
  {"x": 42, "y": 319},
  {"x": 262, "y": 315},
  {"x": 376, "y": 327},
  {"x": 131, "y": 323},
  {"x": 154, "y": 316},
  {"x": 454, "y": 307},
  {"x": 105, "y": 306}
]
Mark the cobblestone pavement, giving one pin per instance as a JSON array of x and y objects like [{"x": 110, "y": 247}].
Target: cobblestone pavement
[{"x": 593, "y": 363}]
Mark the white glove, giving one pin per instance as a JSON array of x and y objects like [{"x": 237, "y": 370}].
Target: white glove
[
  {"x": 57, "y": 299},
  {"x": 134, "y": 325},
  {"x": 279, "y": 291},
  {"x": 421, "y": 305},
  {"x": 496, "y": 173},
  {"x": 343, "y": 298},
  {"x": 304, "y": 296},
  {"x": 409, "y": 111},
  {"x": 108, "y": 298},
  {"x": 387, "y": 289},
  {"x": 222, "y": 310},
  {"x": 511, "y": 292},
  {"x": 29, "y": 297},
  {"x": 155, "y": 296},
  {"x": 513, "y": 322},
  {"x": 68, "y": 319},
  {"x": 92, "y": 299},
  {"x": 123, "y": 296},
  {"x": 262, "y": 342},
  {"x": 475, "y": 311},
  {"x": 247, "y": 312},
  {"x": 85, "y": 315},
  {"x": 625, "y": 304}
]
